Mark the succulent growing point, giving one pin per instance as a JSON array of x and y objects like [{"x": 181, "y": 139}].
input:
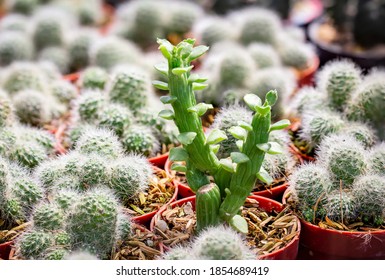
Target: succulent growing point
[
  {"x": 141, "y": 140},
  {"x": 344, "y": 157},
  {"x": 100, "y": 142},
  {"x": 130, "y": 175},
  {"x": 14, "y": 46},
  {"x": 220, "y": 201},
  {"x": 339, "y": 79},
  {"x": 341, "y": 207},
  {"x": 129, "y": 86},
  {"x": 116, "y": 117},
  {"x": 225, "y": 120},
  {"x": 94, "y": 78},
  {"x": 220, "y": 243},
  {"x": 92, "y": 222},
  {"x": 369, "y": 194}
]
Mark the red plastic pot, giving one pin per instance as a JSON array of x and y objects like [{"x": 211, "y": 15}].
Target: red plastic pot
[
  {"x": 306, "y": 77},
  {"x": 146, "y": 218},
  {"x": 183, "y": 189},
  {"x": 287, "y": 253},
  {"x": 159, "y": 161},
  {"x": 329, "y": 244},
  {"x": 73, "y": 77},
  {"x": 273, "y": 193},
  {"x": 5, "y": 249}
]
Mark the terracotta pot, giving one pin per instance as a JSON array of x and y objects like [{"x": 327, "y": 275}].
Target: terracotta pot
[
  {"x": 329, "y": 244},
  {"x": 326, "y": 52},
  {"x": 146, "y": 218},
  {"x": 5, "y": 249},
  {"x": 159, "y": 161},
  {"x": 289, "y": 252}
]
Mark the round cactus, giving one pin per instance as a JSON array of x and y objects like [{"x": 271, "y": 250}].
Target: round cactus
[
  {"x": 140, "y": 139},
  {"x": 24, "y": 6},
  {"x": 31, "y": 107},
  {"x": 318, "y": 124},
  {"x": 64, "y": 91},
  {"x": 341, "y": 207},
  {"x": 264, "y": 56},
  {"x": 124, "y": 226},
  {"x": 295, "y": 54},
  {"x": 307, "y": 99},
  {"x": 130, "y": 175},
  {"x": 178, "y": 253},
  {"x": 361, "y": 132},
  {"x": 90, "y": 12},
  {"x": 7, "y": 140},
  {"x": 367, "y": 103},
  {"x": 33, "y": 243},
  {"x": 233, "y": 96},
  {"x": 92, "y": 223},
  {"x": 220, "y": 243},
  {"x": 50, "y": 70},
  {"x": 27, "y": 191},
  {"x": 47, "y": 217},
  {"x": 95, "y": 170},
  {"x": 90, "y": 104},
  {"x": 14, "y": 46},
  {"x": 6, "y": 109},
  {"x": 181, "y": 17},
  {"x": 224, "y": 120},
  {"x": 65, "y": 198},
  {"x": 115, "y": 117},
  {"x": 100, "y": 142},
  {"x": 58, "y": 56},
  {"x": 344, "y": 157},
  {"x": 68, "y": 182},
  {"x": 23, "y": 75},
  {"x": 111, "y": 51},
  {"x": 75, "y": 131},
  {"x": 49, "y": 171},
  {"x": 369, "y": 195},
  {"x": 79, "y": 46},
  {"x": 309, "y": 183},
  {"x": 339, "y": 79},
  {"x": 213, "y": 29},
  {"x": 28, "y": 154},
  {"x": 257, "y": 25},
  {"x": 376, "y": 159},
  {"x": 94, "y": 78},
  {"x": 129, "y": 86},
  {"x": 14, "y": 22},
  {"x": 55, "y": 254},
  {"x": 80, "y": 255}
]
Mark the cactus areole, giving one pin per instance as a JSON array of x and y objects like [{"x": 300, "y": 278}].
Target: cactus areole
[{"x": 235, "y": 176}]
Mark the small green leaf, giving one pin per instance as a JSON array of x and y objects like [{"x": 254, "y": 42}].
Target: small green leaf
[
  {"x": 186, "y": 138},
  {"x": 160, "y": 85},
  {"x": 238, "y": 132},
  {"x": 215, "y": 148},
  {"x": 166, "y": 114},
  {"x": 199, "y": 86},
  {"x": 271, "y": 97},
  {"x": 178, "y": 154},
  {"x": 197, "y": 52},
  {"x": 239, "y": 224},
  {"x": 227, "y": 165},
  {"x": 280, "y": 125},
  {"x": 178, "y": 167},
  {"x": 265, "y": 147},
  {"x": 216, "y": 136},
  {"x": 196, "y": 78},
  {"x": 263, "y": 110},
  {"x": 200, "y": 108},
  {"x": 245, "y": 125},
  {"x": 239, "y": 157},
  {"x": 264, "y": 176},
  {"x": 162, "y": 68},
  {"x": 252, "y": 101},
  {"x": 166, "y": 99},
  {"x": 275, "y": 148},
  {"x": 181, "y": 70},
  {"x": 239, "y": 144},
  {"x": 190, "y": 41},
  {"x": 165, "y": 47}
]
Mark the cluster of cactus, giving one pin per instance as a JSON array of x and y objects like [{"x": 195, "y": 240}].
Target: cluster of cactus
[
  {"x": 93, "y": 223},
  {"x": 343, "y": 185},
  {"x": 214, "y": 243},
  {"x": 122, "y": 102},
  {"x": 235, "y": 176}
]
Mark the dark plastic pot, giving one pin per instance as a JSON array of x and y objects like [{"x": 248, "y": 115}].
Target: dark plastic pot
[
  {"x": 159, "y": 161},
  {"x": 328, "y": 244},
  {"x": 287, "y": 253},
  {"x": 146, "y": 218},
  {"x": 328, "y": 52},
  {"x": 5, "y": 249}
]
